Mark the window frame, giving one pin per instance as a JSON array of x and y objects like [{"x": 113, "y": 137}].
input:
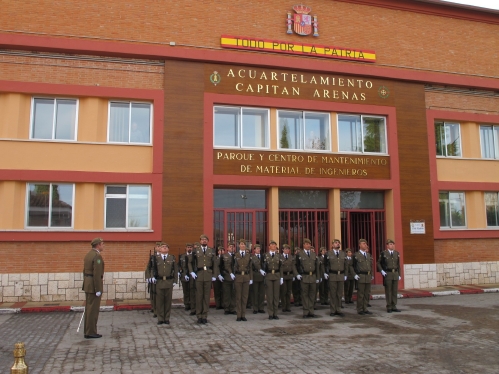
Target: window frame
[
  {"x": 240, "y": 128},
  {"x": 49, "y": 227},
  {"x": 445, "y": 133},
  {"x": 303, "y": 136},
  {"x": 497, "y": 209},
  {"x": 130, "y": 103},
  {"x": 54, "y": 117},
  {"x": 384, "y": 118},
  {"x": 494, "y": 139},
  {"x": 452, "y": 227},
  {"x": 127, "y": 194}
]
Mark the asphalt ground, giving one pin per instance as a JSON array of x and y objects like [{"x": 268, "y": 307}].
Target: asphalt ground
[{"x": 450, "y": 334}]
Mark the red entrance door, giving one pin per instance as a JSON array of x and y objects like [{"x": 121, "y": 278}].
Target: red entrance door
[{"x": 231, "y": 225}]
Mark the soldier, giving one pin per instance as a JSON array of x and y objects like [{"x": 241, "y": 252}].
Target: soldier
[
  {"x": 192, "y": 281},
  {"x": 243, "y": 271},
  {"x": 166, "y": 278},
  {"x": 362, "y": 264},
  {"x": 389, "y": 265},
  {"x": 334, "y": 272},
  {"x": 323, "y": 286},
  {"x": 349, "y": 273},
  {"x": 217, "y": 285},
  {"x": 93, "y": 274},
  {"x": 273, "y": 273},
  {"x": 296, "y": 282},
  {"x": 149, "y": 276},
  {"x": 202, "y": 269},
  {"x": 183, "y": 262},
  {"x": 287, "y": 276},
  {"x": 226, "y": 276},
  {"x": 306, "y": 270},
  {"x": 258, "y": 293}
]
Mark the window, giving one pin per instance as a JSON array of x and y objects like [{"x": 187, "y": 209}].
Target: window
[
  {"x": 128, "y": 207},
  {"x": 489, "y": 138},
  {"x": 50, "y": 205},
  {"x": 452, "y": 209},
  {"x": 492, "y": 208},
  {"x": 130, "y": 122},
  {"x": 363, "y": 134},
  {"x": 237, "y": 127},
  {"x": 448, "y": 139},
  {"x": 53, "y": 119},
  {"x": 303, "y": 130}
]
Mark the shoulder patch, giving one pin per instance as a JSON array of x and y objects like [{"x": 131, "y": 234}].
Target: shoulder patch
[{"x": 98, "y": 261}]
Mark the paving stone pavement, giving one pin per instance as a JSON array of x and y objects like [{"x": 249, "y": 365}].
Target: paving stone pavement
[{"x": 451, "y": 334}]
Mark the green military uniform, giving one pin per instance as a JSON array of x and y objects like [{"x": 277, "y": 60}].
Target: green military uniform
[
  {"x": 229, "y": 293},
  {"x": 297, "y": 301},
  {"x": 217, "y": 286},
  {"x": 148, "y": 274},
  {"x": 362, "y": 264},
  {"x": 350, "y": 282},
  {"x": 203, "y": 265},
  {"x": 287, "y": 283},
  {"x": 323, "y": 285},
  {"x": 389, "y": 262},
  {"x": 184, "y": 272},
  {"x": 307, "y": 266},
  {"x": 166, "y": 278},
  {"x": 93, "y": 275},
  {"x": 273, "y": 269},
  {"x": 334, "y": 268},
  {"x": 244, "y": 274},
  {"x": 191, "y": 286},
  {"x": 258, "y": 293}
]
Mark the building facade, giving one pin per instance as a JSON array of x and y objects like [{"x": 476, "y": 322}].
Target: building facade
[{"x": 145, "y": 121}]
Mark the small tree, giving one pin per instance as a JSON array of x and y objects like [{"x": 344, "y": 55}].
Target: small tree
[{"x": 284, "y": 135}]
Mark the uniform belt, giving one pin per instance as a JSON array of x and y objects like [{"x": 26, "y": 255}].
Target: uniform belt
[
  {"x": 308, "y": 273},
  {"x": 336, "y": 272},
  {"x": 242, "y": 272},
  {"x": 393, "y": 270},
  {"x": 287, "y": 273},
  {"x": 205, "y": 268},
  {"x": 89, "y": 275},
  {"x": 365, "y": 272},
  {"x": 163, "y": 278}
]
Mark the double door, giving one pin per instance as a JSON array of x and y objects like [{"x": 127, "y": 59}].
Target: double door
[{"x": 232, "y": 225}]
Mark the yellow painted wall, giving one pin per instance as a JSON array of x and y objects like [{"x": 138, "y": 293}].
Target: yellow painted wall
[
  {"x": 458, "y": 170},
  {"x": 92, "y": 120},
  {"x": 475, "y": 210},
  {"x": 13, "y": 205},
  {"x": 334, "y": 215},
  {"x": 274, "y": 131},
  {"x": 34, "y": 155},
  {"x": 334, "y": 130},
  {"x": 470, "y": 140},
  {"x": 15, "y": 116},
  {"x": 89, "y": 206},
  {"x": 390, "y": 217},
  {"x": 273, "y": 216}
]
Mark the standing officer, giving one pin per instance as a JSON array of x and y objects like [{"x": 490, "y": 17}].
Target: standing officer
[
  {"x": 389, "y": 265},
  {"x": 149, "y": 276},
  {"x": 93, "y": 274},
  {"x": 226, "y": 276},
  {"x": 258, "y": 293},
  {"x": 334, "y": 271},
  {"x": 288, "y": 262},
  {"x": 183, "y": 262},
  {"x": 362, "y": 264},
  {"x": 217, "y": 285},
  {"x": 349, "y": 273},
  {"x": 243, "y": 271},
  {"x": 323, "y": 286},
  {"x": 273, "y": 269},
  {"x": 296, "y": 282},
  {"x": 307, "y": 272},
  {"x": 166, "y": 279},
  {"x": 202, "y": 269}
]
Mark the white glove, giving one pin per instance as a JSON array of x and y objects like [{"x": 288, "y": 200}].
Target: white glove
[
  {"x": 251, "y": 282},
  {"x": 193, "y": 275},
  {"x": 400, "y": 277},
  {"x": 282, "y": 281},
  {"x": 316, "y": 281},
  {"x": 372, "y": 278},
  {"x": 326, "y": 276},
  {"x": 298, "y": 277},
  {"x": 262, "y": 272},
  {"x": 383, "y": 273},
  {"x": 98, "y": 294},
  {"x": 221, "y": 278},
  {"x": 174, "y": 284},
  {"x": 186, "y": 278},
  {"x": 153, "y": 280},
  {"x": 179, "y": 274},
  {"x": 232, "y": 276},
  {"x": 356, "y": 277},
  {"x": 345, "y": 277},
  {"x": 293, "y": 279},
  {"x": 213, "y": 279},
  {"x": 148, "y": 280}
]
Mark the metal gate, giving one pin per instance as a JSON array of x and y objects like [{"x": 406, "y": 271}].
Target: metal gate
[
  {"x": 295, "y": 225},
  {"x": 369, "y": 225},
  {"x": 232, "y": 225}
]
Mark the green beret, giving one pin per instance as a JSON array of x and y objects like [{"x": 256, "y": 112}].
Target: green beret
[
  {"x": 390, "y": 241},
  {"x": 307, "y": 241},
  {"x": 96, "y": 241}
]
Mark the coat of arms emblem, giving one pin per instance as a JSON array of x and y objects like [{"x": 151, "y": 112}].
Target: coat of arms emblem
[{"x": 303, "y": 23}]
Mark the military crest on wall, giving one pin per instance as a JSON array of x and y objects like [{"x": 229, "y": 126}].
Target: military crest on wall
[{"x": 303, "y": 23}]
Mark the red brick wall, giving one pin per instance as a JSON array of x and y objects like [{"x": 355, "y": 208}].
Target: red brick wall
[
  {"x": 462, "y": 103},
  {"x": 57, "y": 257},
  {"x": 399, "y": 37},
  {"x": 466, "y": 250}
]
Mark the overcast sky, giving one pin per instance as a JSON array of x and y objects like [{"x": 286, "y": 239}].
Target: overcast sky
[{"x": 492, "y": 4}]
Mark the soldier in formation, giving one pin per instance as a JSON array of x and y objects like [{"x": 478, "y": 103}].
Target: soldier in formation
[
  {"x": 288, "y": 263},
  {"x": 272, "y": 270},
  {"x": 306, "y": 270},
  {"x": 389, "y": 266}
]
